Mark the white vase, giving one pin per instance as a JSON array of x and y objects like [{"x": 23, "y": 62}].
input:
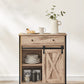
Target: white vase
[{"x": 54, "y": 26}]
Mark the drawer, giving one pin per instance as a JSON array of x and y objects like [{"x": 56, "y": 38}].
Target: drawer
[{"x": 43, "y": 40}]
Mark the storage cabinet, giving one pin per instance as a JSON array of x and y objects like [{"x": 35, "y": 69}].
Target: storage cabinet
[{"x": 51, "y": 49}]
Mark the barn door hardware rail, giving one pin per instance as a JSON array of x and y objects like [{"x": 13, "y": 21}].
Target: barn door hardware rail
[{"x": 62, "y": 47}]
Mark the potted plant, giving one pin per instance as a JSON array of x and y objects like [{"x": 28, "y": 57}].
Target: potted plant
[{"x": 53, "y": 17}]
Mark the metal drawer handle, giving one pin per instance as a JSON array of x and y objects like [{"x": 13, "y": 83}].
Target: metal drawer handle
[
  {"x": 53, "y": 40},
  {"x": 32, "y": 40}
]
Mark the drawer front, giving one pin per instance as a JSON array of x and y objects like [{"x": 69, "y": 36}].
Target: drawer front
[{"x": 43, "y": 40}]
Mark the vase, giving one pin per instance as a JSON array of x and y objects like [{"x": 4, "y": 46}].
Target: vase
[{"x": 54, "y": 26}]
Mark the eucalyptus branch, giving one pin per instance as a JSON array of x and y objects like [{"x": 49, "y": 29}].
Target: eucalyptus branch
[{"x": 53, "y": 15}]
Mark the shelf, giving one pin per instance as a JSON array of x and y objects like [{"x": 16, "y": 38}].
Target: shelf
[
  {"x": 32, "y": 64},
  {"x": 38, "y": 82}
]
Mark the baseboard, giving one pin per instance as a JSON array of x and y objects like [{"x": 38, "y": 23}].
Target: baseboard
[
  {"x": 9, "y": 78},
  {"x": 16, "y": 78},
  {"x": 75, "y": 78}
]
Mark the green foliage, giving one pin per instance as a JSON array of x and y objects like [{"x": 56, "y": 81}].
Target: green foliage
[
  {"x": 52, "y": 8},
  {"x": 53, "y": 15},
  {"x": 54, "y": 5}
]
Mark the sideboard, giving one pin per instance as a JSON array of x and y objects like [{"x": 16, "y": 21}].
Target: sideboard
[{"x": 52, "y": 51}]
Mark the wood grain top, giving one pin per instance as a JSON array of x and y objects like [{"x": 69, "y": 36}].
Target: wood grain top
[{"x": 45, "y": 34}]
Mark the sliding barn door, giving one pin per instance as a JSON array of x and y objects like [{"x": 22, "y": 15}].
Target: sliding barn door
[{"x": 54, "y": 66}]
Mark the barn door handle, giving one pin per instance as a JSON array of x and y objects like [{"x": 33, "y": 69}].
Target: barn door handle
[
  {"x": 43, "y": 49},
  {"x": 62, "y": 47}
]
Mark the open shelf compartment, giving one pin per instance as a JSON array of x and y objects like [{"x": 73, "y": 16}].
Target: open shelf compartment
[
  {"x": 26, "y": 52},
  {"x": 31, "y": 69},
  {"x": 31, "y": 66}
]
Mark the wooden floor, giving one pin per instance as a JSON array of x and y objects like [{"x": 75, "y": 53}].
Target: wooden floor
[{"x": 13, "y": 82}]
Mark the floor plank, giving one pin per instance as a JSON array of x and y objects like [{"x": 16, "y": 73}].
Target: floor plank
[{"x": 16, "y": 82}]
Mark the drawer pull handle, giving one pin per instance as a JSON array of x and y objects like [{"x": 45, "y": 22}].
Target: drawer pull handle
[
  {"x": 53, "y": 40},
  {"x": 32, "y": 40}
]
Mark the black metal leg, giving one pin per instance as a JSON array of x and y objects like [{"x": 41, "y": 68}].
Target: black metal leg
[
  {"x": 65, "y": 62},
  {"x": 19, "y": 61}
]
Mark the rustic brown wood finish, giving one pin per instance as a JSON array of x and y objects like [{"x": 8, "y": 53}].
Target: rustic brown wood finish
[{"x": 53, "y": 61}]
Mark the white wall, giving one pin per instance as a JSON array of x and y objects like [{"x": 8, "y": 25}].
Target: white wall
[{"x": 16, "y": 15}]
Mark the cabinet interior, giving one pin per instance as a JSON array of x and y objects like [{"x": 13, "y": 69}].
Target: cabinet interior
[
  {"x": 30, "y": 52},
  {"x": 32, "y": 67}
]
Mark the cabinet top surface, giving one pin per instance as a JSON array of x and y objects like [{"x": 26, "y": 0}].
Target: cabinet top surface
[{"x": 45, "y": 34}]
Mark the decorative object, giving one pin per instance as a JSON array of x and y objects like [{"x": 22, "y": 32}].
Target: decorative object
[
  {"x": 41, "y": 30},
  {"x": 38, "y": 74},
  {"x": 27, "y": 75},
  {"x": 53, "y": 19},
  {"x": 29, "y": 31},
  {"x": 54, "y": 26},
  {"x": 34, "y": 76},
  {"x": 32, "y": 59}
]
